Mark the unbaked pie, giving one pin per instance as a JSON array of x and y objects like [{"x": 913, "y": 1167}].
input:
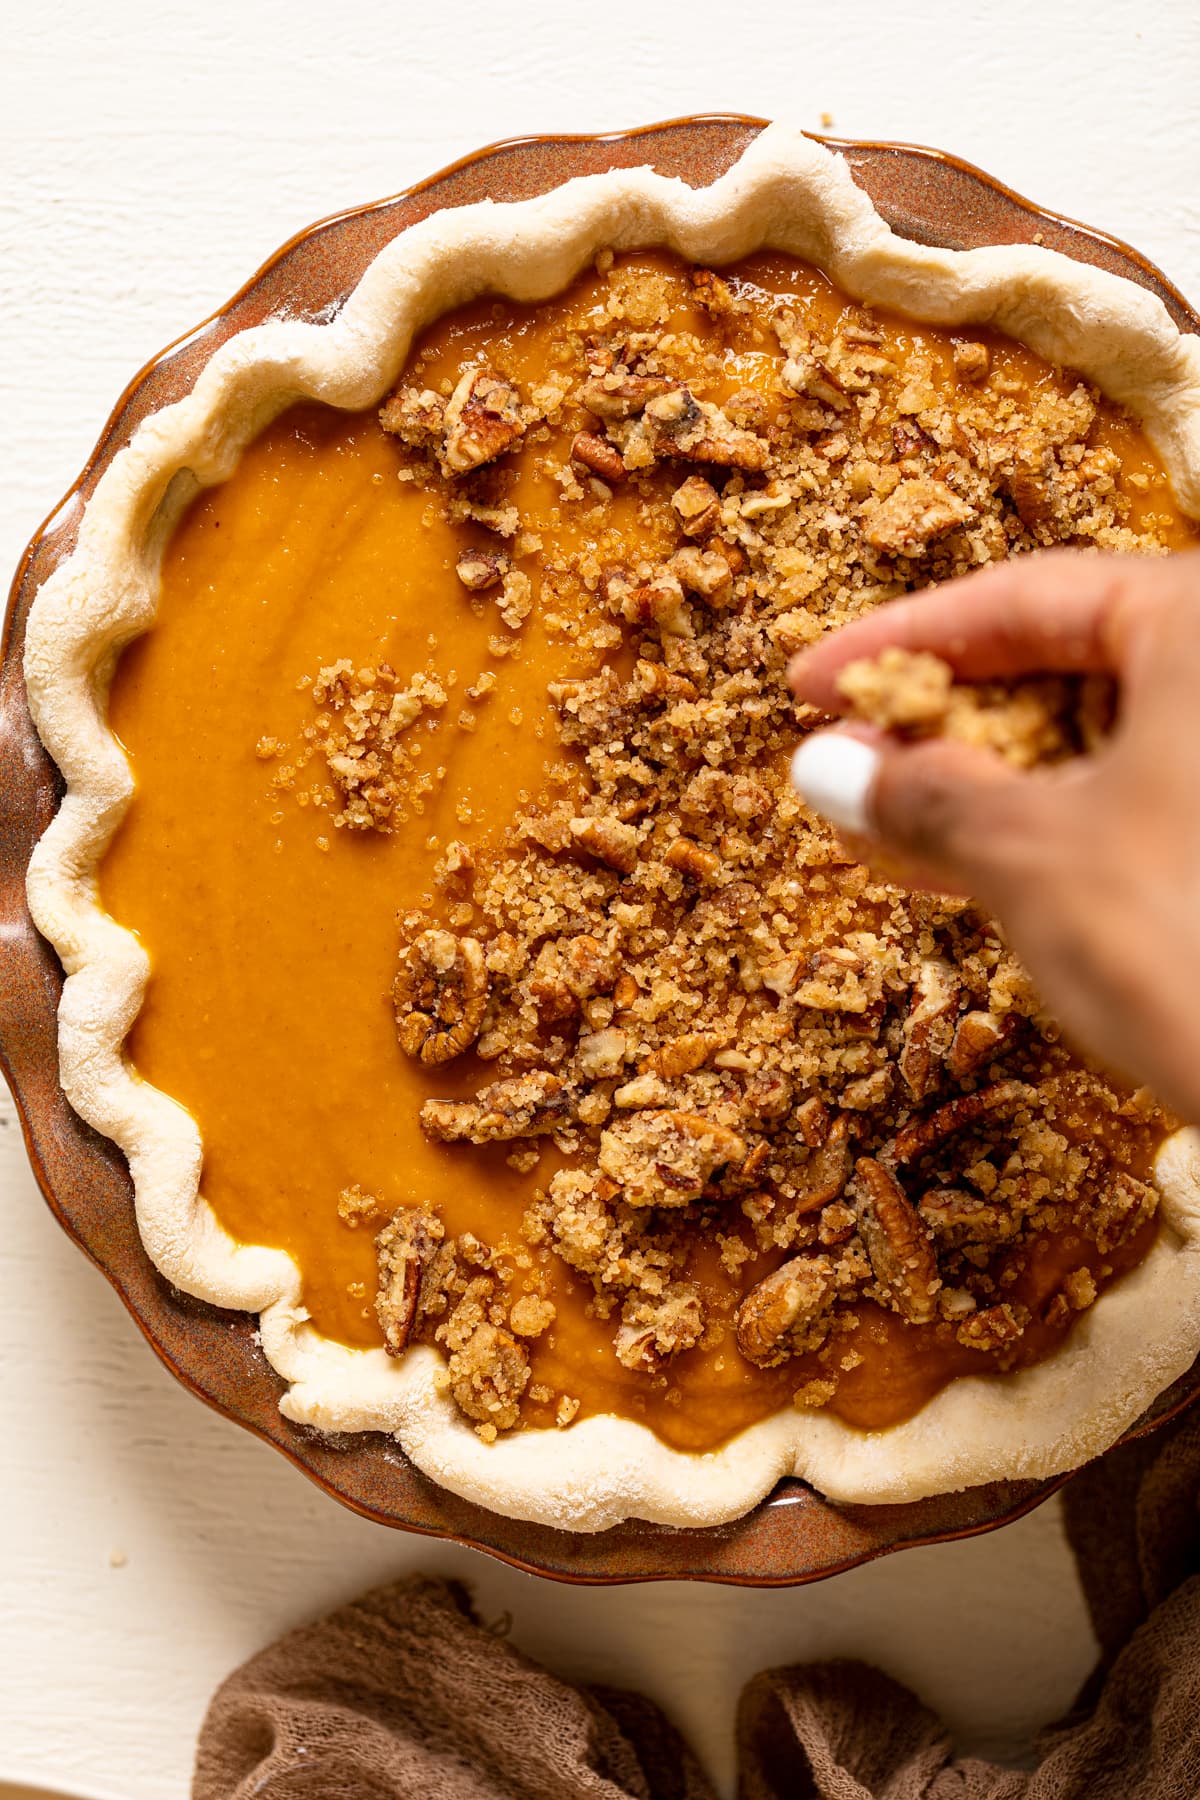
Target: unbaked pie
[{"x": 471, "y": 994}]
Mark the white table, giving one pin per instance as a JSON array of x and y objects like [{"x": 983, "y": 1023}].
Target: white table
[{"x": 154, "y": 157}]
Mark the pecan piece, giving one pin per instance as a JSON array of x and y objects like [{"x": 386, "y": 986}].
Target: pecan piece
[
  {"x": 616, "y": 394},
  {"x": 440, "y": 995},
  {"x": 766, "y": 1097},
  {"x": 663, "y": 1158},
  {"x": 812, "y": 1118},
  {"x": 681, "y": 1055},
  {"x": 915, "y": 515},
  {"x": 522, "y": 1106},
  {"x": 481, "y": 569},
  {"x": 898, "y": 1243},
  {"x": 658, "y": 603},
  {"x": 609, "y": 841},
  {"x": 714, "y": 295},
  {"x": 652, "y": 681},
  {"x": 957, "y": 1217},
  {"x": 920, "y": 1136},
  {"x": 927, "y": 1029},
  {"x": 703, "y": 572},
  {"x": 786, "y": 1313},
  {"x": 404, "y": 1249},
  {"x": 679, "y": 425},
  {"x": 691, "y": 858},
  {"x": 698, "y": 505},
  {"x": 978, "y": 1037},
  {"x": 484, "y": 418},
  {"x": 598, "y": 455},
  {"x": 828, "y": 1168}
]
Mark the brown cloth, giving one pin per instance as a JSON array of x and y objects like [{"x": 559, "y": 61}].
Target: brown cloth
[{"x": 405, "y": 1695}]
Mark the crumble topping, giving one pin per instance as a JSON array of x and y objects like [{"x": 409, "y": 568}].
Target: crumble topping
[
  {"x": 666, "y": 969},
  {"x": 1042, "y": 719}
]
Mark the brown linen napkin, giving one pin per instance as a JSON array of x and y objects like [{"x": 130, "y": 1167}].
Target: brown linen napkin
[{"x": 405, "y": 1695}]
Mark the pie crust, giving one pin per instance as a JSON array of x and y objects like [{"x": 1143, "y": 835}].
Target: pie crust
[{"x": 786, "y": 193}]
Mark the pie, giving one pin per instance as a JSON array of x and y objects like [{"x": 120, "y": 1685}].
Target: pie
[{"x": 470, "y": 993}]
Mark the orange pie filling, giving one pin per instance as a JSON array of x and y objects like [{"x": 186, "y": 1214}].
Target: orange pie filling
[{"x": 513, "y": 990}]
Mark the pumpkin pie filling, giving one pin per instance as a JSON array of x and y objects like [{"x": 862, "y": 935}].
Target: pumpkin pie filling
[{"x": 513, "y": 991}]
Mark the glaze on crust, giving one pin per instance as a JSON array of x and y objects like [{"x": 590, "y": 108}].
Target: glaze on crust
[{"x": 785, "y": 193}]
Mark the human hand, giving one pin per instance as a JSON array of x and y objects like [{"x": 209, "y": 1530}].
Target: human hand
[{"x": 1092, "y": 866}]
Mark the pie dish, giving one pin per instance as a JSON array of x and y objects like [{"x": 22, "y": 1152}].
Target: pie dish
[{"x": 1129, "y": 349}]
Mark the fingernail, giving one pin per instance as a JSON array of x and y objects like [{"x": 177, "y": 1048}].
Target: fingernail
[{"x": 834, "y": 773}]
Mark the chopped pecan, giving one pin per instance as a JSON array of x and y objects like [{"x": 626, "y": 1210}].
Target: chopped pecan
[
  {"x": 482, "y": 569},
  {"x": 827, "y": 1169},
  {"x": 703, "y": 572},
  {"x": 978, "y": 1037},
  {"x": 440, "y": 995},
  {"x": 766, "y": 1097},
  {"x": 666, "y": 1158},
  {"x": 813, "y": 1120},
  {"x": 712, "y": 292},
  {"x": 570, "y": 970},
  {"x": 522, "y": 1106},
  {"x": 691, "y": 858},
  {"x": 698, "y": 505},
  {"x": 804, "y": 373},
  {"x": 658, "y": 603},
  {"x": 598, "y": 455},
  {"x": 617, "y": 394},
  {"x": 679, "y": 425},
  {"x": 755, "y": 1163},
  {"x": 404, "y": 1248},
  {"x": 609, "y": 841},
  {"x": 909, "y": 440},
  {"x": 898, "y": 1243},
  {"x": 915, "y": 515},
  {"x": 1033, "y": 489},
  {"x": 484, "y": 418},
  {"x": 920, "y": 1136},
  {"x": 868, "y": 1091},
  {"x": 957, "y": 1217},
  {"x": 928, "y": 1029},
  {"x": 788, "y": 1312},
  {"x": 834, "y": 979},
  {"x": 653, "y": 681},
  {"x": 681, "y": 1055}
]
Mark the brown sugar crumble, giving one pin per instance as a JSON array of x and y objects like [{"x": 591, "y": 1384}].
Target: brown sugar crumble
[
  {"x": 667, "y": 972},
  {"x": 1043, "y": 719}
]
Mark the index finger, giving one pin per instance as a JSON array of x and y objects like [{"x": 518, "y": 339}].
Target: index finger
[{"x": 1064, "y": 611}]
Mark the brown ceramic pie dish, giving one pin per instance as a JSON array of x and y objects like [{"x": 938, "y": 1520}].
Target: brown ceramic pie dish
[{"x": 794, "y": 1535}]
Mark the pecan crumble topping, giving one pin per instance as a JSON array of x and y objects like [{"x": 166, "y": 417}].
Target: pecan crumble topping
[
  {"x": 1042, "y": 719},
  {"x": 687, "y": 1013}
]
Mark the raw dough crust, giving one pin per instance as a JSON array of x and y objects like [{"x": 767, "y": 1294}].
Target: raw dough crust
[{"x": 785, "y": 193}]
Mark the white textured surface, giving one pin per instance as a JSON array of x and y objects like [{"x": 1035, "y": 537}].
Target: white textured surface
[{"x": 152, "y": 160}]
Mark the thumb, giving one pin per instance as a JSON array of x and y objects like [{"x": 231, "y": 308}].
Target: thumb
[{"x": 952, "y": 817}]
